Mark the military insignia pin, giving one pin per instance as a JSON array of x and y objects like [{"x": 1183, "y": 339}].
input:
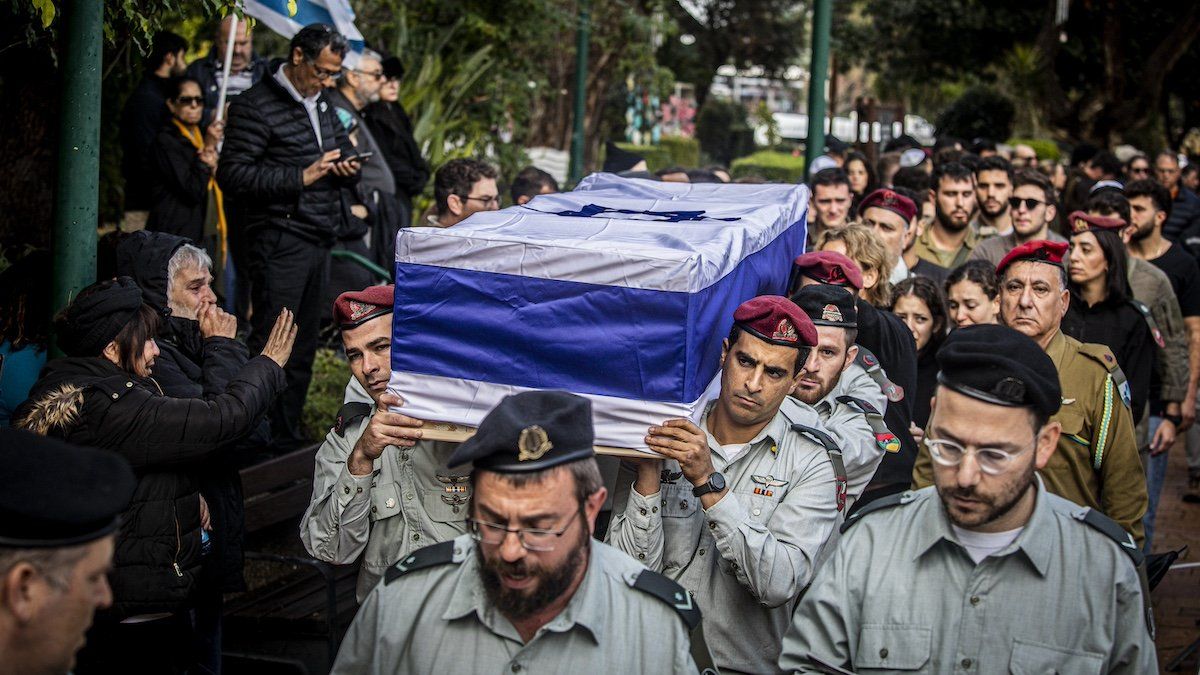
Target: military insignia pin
[
  {"x": 785, "y": 331},
  {"x": 887, "y": 442},
  {"x": 533, "y": 444},
  {"x": 831, "y": 312}
]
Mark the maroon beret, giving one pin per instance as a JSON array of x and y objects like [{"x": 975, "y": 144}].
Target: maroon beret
[
  {"x": 777, "y": 320},
  {"x": 829, "y": 267},
  {"x": 889, "y": 200},
  {"x": 354, "y": 308},
  {"x": 1080, "y": 221},
  {"x": 1041, "y": 250}
]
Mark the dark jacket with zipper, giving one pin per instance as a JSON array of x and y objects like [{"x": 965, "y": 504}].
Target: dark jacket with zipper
[
  {"x": 89, "y": 401},
  {"x": 269, "y": 141},
  {"x": 178, "y": 186}
]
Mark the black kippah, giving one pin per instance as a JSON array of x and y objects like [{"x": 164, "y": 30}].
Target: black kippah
[
  {"x": 999, "y": 365},
  {"x": 89, "y": 323},
  {"x": 531, "y": 431}
]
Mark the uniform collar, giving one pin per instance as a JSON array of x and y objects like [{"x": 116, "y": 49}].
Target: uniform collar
[
  {"x": 774, "y": 432},
  {"x": 585, "y": 609},
  {"x": 1034, "y": 541},
  {"x": 1057, "y": 348}
]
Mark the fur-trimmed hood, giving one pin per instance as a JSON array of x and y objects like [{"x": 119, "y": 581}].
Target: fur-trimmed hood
[{"x": 56, "y": 400}]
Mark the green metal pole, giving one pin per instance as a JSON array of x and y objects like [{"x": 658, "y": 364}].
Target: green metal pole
[
  {"x": 818, "y": 67},
  {"x": 77, "y": 190},
  {"x": 581, "y": 66}
]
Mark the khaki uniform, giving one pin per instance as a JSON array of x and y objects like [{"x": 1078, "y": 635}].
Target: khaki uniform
[
  {"x": 1096, "y": 463},
  {"x": 409, "y": 501},
  {"x": 926, "y": 250},
  {"x": 995, "y": 248},
  {"x": 432, "y": 615},
  {"x": 1152, "y": 288}
]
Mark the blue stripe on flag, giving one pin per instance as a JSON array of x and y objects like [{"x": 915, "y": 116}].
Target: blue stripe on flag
[{"x": 306, "y": 12}]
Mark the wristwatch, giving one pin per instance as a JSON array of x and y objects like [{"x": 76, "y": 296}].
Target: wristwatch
[
  {"x": 715, "y": 483},
  {"x": 1177, "y": 420}
]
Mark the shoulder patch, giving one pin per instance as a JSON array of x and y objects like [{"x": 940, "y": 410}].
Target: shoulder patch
[
  {"x": 1109, "y": 528},
  {"x": 348, "y": 414},
  {"x": 1149, "y": 317},
  {"x": 430, "y": 556},
  {"x": 885, "y": 440},
  {"x": 671, "y": 593},
  {"x": 877, "y": 505},
  {"x": 1100, "y": 354}
]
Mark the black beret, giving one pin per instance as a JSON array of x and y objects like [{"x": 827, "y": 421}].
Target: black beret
[
  {"x": 54, "y": 494},
  {"x": 531, "y": 431},
  {"x": 999, "y": 365},
  {"x": 89, "y": 323},
  {"x": 827, "y": 305}
]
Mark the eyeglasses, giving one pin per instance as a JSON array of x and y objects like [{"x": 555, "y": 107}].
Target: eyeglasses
[
  {"x": 486, "y": 199},
  {"x": 992, "y": 461},
  {"x": 377, "y": 74},
  {"x": 1030, "y": 203},
  {"x": 190, "y": 100},
  {"x": 532, "y": 539},
  {"x": 323, "y": 74},
  {"x": 1028, "y": 158},
  {"x": 1138, "y": 170}
]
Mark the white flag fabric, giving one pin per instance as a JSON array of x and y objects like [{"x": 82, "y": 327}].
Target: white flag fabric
[{"x": 279, "y": 17}]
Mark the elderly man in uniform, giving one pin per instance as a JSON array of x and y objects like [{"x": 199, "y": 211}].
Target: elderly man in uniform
[
  {"x": 740, "y": 506},
  {"x": 528, "y": 589},
  {"x": 1097, "y": 463},
  {"x": 379, "y": 491},
  {"x": 59, "y": 513},
  {"x": 988, "y": 572}
]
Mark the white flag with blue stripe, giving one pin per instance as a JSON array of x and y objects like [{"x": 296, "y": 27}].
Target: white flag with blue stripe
[
  {"x": 616, "y": 293},
  {"x": 279, "y": 17}
]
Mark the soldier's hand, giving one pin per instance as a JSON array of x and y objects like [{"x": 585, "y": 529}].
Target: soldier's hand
[
  {"x": 684, "y": 442},
  {"x": 1187, "y": 410},
  {"x": 1164, "y": 438},
  {"x": 648, "y": 472},
  {"x": 385, "y": 428},
  {"x": 917, "y": 432}
]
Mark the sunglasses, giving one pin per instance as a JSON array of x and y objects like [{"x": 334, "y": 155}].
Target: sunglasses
[
  {"x": 190, "y": 100},
  {"x": 1030, "y": 203}
]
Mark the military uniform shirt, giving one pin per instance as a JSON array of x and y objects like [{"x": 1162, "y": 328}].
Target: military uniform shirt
[
  {"x": 1096, "y": 462},
  {"x": 863, "y": 439},
  {"x": 926, "y": 250},
  {"x": 748, "y": 557},
  {"x": 411, "y": 500},
  {"x": 993, "y": 249},
  {"x": 902, "y": 594},
  {"x": 438, "y": 620}
]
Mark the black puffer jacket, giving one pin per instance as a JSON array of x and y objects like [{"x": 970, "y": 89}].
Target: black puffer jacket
[
  {"x": 269, "y": 141},
  {"x": 91, "y": 402}
]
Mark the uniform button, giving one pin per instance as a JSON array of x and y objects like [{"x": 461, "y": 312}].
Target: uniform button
[
  {"x": 974, "y": 599},
  {"x": 358, "y": 490},
  {"x": 128, "y": 385},
  {"x": 346, "y": 489},
  {"x": 966, "y": 663},
  {"x": 454, "y": 509},
  {"x": 701, "y": 551},
  {"x": 408, "y": 496},
  {"x": 757, "y": 511},
  {"x": 115, "y": 396},
  {"x": 390, "y": 503},
  {"x": 683, "y": 504},
  {"x": 712, "y": 525},
  {"x": 641, "y": 556},
  {"x": 664, "y": 503},
  {"x": 642, "y": 511},
  {"x": 653, "y": 509},
  {"x": 374, "y": 509},
  {"x": 883, "y": 653},
  {"x": 416, "y": 536},
  {"x": 404, "y": 456},
  {"x": 516, "y": 667}
]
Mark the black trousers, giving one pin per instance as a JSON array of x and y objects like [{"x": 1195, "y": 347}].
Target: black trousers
[{"x": 287, "y": 271}]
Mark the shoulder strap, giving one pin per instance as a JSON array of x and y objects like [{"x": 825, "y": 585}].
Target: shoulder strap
[
  {"x": 113, "y": 386},
  {"x": 349, "y": 414},
  {"x": 876, "y": 505},
  {"x": 835, "y": 458},
  {"x": 1149, "y": 317},
  {"x": 430, "y": 556},
  {"x": 1109, "y": 528},
  {"x": 861, "y": 405},
  {"x": 671, "y": 593},
  {"x": 1104, "y": 356},
  {"x": 884, "y": 438},
  {"x": 870, "y": 363}
]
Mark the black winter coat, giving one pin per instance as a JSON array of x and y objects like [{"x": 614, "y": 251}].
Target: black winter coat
[
  {"x": 892, "y": 343},
  {"x": 91, "y": 402},
  {"x": 1183, "y": 225},
  {"x": 393, "y": 132},
  {"x": 269, "y": 141},
  {"x": 144, "y": 115},
  {"x": 178, "y": 186}
]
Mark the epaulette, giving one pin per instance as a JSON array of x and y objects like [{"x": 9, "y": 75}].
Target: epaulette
[
  {"x": 349, "y": 414},
  {"x": 870, "y": 363},
  {"x": 1109, "y": 528},
  {"x": 430, "y": 556},
  {"x": 834, "y": 451},
  {"x": 1144, "y": 310},
  {"x": 114, "y": 387},
  {"x": 1104, "y": 356},
  {"x": 876, "y": 505},
  {"x": 884, "y": 438},
  {"x": 671, "y": 593}
]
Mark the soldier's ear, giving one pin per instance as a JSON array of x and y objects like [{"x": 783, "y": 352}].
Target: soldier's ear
[
  {"x": 592, "y": 506},
  {"x": 851, "y": 355},
  {"x": 1047, "y": 443}
]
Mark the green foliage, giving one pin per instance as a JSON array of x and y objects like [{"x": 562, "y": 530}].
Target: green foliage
[
  {"x": 326, "y": 392},
  {"x": 776, "y": 167},
  {"x": 684, "y": 152},
  {"x": 1045, "y": 149},
  {"x": 980, "y": 112},
  {"x": 723, "y": 131},
  {"x": 764, "y": 117},
  {"x": 656, "y": 156}
]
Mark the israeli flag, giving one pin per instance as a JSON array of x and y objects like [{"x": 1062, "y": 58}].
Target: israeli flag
[
  {"x": 287, "y": 17},
  {"x": 615, "y": 294}
]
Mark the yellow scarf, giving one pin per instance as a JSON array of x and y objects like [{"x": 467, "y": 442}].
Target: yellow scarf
[{"x": 192, "y": 133}]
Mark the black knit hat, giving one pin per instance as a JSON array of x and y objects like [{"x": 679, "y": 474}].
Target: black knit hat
[
  {"x": 97, "y": 315},
  {"x": 999, "y": 365}
]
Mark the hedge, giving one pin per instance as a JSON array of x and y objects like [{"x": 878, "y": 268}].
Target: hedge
[
  {"x": 1045, "y": 149},
  {"x": 773, "y": 166},
  {"x": 684, "y": 152}
]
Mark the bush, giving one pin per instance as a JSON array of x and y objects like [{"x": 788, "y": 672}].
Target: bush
[
  {"x": 777, "y": 167},
  {"x": 656, "y": 156},
  {"x": 326, "y": 392},
  {"x": 1045, "y": 149},
  {"x": 684, "y": 152},
  {"x": 723, "y": 131},
  {"x": 980, "y": 112}
]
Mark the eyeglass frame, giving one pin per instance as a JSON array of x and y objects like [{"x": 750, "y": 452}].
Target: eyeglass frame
[
  {"x": 188, "y": 101},
  {"x": 320, "y": 73},
  {"x": 934, "y": 443},
  {"x": 477, "y": 534},
  {"x": 379, "y": 76},
  {"x": 485, "y": 200},
  {"x": 1015, "y": 203}
]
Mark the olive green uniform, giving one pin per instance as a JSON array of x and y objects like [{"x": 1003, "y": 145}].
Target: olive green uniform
[{"x": 926, "y": 250}]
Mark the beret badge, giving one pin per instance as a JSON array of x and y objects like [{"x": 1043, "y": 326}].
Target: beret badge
[
  {"x": 533, "y": 443},
  {"x": 785, "y": 331}
]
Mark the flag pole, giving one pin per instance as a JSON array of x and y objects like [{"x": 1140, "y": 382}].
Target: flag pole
[{"x": 233, "y": 28}]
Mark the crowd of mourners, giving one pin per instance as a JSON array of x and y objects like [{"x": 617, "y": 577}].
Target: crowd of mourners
[{"x": 942, "y": 449}]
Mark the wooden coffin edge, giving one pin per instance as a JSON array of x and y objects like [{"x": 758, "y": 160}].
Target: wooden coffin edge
[{"x": 457, "y": 433}]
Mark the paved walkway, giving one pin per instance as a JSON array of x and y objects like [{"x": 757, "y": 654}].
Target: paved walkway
[{"x": 1177, "y": 598}]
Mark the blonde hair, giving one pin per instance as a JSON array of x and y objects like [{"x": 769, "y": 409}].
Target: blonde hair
[{"x": 865, "y": 247}]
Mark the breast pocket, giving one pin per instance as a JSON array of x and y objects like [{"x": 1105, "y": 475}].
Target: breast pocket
[
  {"x": 385, "y": 501},
  {"x": 1032, "y": 657},
  {"x": 682, "y": 523},
  {"x": 893, "y": 647},
  {"x": 760, "y": 507}
]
